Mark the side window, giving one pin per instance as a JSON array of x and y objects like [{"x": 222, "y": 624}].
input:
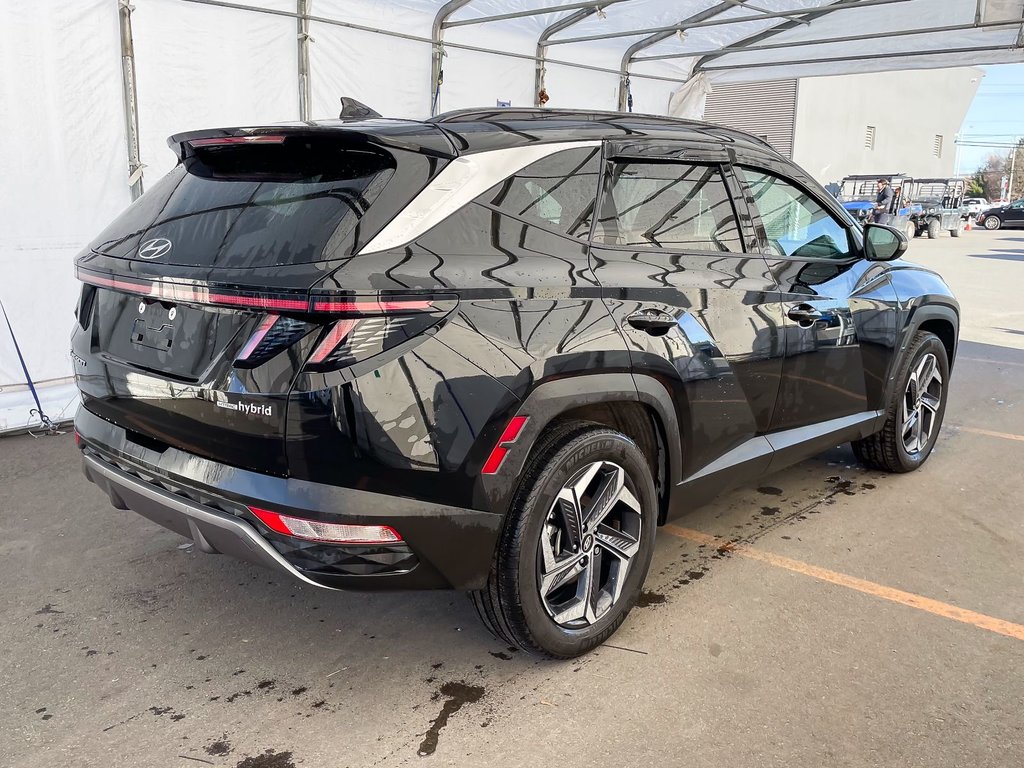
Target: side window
[
  {"x": 668, "y": 205},
  {"x": 557, "y": 192},
  {"x": 795, "y": 223}
]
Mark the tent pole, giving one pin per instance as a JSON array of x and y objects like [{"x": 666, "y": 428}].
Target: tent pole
[
  {"x": 542, "y": 47},
  {"x": 590, "y": 5},
  {"x": 657, "y": 37},
  {"x": 437, "y": 50},
  {"x": 839, "y": 6},
  {"x": 861, "y": 57},
  {"x": 831, "y": 40},
  {"x": 130, "y": 97},
  {"x": 305, "y": 86}
]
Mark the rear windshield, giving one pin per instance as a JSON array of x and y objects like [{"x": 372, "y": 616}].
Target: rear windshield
[{"x": 246, "y": 206}]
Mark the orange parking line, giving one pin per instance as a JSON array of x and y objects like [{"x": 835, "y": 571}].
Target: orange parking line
[
  {"x": 999, "y": 626},
  {"x": 990, "y": 433}
]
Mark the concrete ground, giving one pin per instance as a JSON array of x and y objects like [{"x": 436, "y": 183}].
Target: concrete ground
[{"x": 866, "y": 620}]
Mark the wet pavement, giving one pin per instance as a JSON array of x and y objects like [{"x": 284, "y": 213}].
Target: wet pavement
[{"x": 124, "y": 647}]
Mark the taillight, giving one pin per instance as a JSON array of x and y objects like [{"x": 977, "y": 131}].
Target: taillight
[
  {"x": 501, "y": 448},
  {"x": 196, "y": 294},
  {"x": 334, "y": 533},
  {"x": 368, "y": 327}
]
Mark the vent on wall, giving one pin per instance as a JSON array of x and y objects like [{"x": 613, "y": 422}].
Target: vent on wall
[
  {"x": 869, "y": 137},
  {"x": 765, "y": 109},
  {"x": 937, "y": 150}
]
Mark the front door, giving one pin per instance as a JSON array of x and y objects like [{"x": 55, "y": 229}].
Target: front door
[
  {"x": 839, "y": 310},
  {"x": 1014, "y": 216}
]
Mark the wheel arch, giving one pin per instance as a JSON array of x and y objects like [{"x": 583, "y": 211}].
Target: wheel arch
[{"x": 638, "y": 406}]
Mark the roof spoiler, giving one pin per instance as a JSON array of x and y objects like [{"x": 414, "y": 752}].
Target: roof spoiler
[{"x": 435, "y": 143}]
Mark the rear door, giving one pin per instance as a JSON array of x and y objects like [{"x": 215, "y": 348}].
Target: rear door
[
  {"x": 840, "y": 311},
  {"x": 673, "y": 249}
]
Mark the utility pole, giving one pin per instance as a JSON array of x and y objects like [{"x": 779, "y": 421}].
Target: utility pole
[{"x": 1013, "y": 167}]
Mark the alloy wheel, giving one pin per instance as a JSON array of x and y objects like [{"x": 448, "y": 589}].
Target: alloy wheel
[
  {"x": 589, "y": 540},
  {"x": 921, "y": 402}
]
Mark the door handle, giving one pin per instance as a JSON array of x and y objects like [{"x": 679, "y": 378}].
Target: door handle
[
  {"x": 805, "y": 314},
  {"x": 652, "y": 321}
]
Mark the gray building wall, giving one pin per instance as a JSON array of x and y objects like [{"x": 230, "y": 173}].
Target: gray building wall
[{"x": 885, "y": 122}]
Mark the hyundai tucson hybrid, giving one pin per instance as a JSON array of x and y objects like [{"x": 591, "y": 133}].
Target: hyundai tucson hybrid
[{"x": 492, "y": 351}]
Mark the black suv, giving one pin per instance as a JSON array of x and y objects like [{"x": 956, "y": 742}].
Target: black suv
[{"x": 492, "y": 351}]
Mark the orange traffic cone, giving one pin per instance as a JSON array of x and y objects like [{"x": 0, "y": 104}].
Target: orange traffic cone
[{"x": 968, "y": 227}]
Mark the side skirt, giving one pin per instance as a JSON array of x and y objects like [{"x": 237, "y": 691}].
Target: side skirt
[{"x": 768, "y": 453}]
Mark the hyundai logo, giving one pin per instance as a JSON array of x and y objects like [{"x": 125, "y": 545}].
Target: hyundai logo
[{"x": 154, "y": 249}]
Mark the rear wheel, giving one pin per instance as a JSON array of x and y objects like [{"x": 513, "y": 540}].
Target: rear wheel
[
  {"x": 577, "y": 544},
  {"x": 911, "y": 231},
  {"x": 914, "y": 417},
  {"x": 955, "y": 232},
  {"x": 992, "y": 222},
  {"x": 934, "y": 229}
]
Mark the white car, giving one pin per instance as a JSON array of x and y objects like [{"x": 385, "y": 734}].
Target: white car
[{"x": 976, "y": 205}]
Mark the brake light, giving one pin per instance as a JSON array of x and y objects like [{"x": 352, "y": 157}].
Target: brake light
[
  {"x": 217, "y": 141},
  {"x": 331, "y": 341},
  {"x": 333, "y": 533},
  {"x": 501, "y": 449},
  {"x": 254, "y": 341},
  {"x": 369, "y": 327}
]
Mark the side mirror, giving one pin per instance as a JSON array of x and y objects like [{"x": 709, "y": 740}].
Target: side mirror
[{"x": 883, "y": 243}]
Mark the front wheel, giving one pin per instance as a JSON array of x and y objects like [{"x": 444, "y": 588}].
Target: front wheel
[
  {"x": 576, "y": 546},
  {"x": 934, "y": 229},
  {"x": 992, "y": 222},
  {"x": 914, "y": 416}
]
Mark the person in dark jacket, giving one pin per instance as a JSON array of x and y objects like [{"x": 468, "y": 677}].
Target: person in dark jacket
[{"x": 883, "y": 202}]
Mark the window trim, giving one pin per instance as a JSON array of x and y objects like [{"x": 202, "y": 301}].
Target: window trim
[
  {"x": 721, "y": 166},
  {"x": 855, "y": 243}
]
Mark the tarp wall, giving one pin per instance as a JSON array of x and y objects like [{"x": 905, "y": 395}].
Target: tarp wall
[{"x": 63, "y": 151}]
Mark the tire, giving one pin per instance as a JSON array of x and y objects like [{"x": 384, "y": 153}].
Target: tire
[
  {"x": 934, "y": 229},
  {"x": 536, "y": 541},
  {"x": 910, "y": 231},
  {"x": 992, "y": 222},
  {"x": 955, "y": 232},
  {"x": 888, "y": 449}
]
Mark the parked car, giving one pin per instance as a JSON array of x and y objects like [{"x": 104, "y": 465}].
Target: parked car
[
  {"x": 490, "y": 351},
  {"x": 1006, "y": 215},
  {"x": 976, "y": 205}
]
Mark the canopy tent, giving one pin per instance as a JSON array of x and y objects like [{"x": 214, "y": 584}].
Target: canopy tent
[{"x": 92, "y": 88}]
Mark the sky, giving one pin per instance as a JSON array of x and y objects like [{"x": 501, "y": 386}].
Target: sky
[{"x": 996, "y": 115}]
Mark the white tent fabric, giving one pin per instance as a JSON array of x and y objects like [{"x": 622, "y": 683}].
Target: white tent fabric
[{"x": 200, "y": 63}]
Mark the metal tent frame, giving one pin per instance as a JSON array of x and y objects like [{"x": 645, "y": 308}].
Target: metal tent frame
[{"x": 724, "y": 13}]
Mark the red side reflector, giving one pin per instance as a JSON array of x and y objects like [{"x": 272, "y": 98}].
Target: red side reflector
[
  {"x": 334, "y": 533},
  {"x": 509, "y": 436},
  {"x": 78, "y": 439},
  {"x": 217, "y": 141}
]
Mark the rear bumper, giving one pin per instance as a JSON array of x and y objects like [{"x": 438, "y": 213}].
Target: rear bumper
[
  {"x": 212, "y": 531},
  {"x": 207, "y": 502}
]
